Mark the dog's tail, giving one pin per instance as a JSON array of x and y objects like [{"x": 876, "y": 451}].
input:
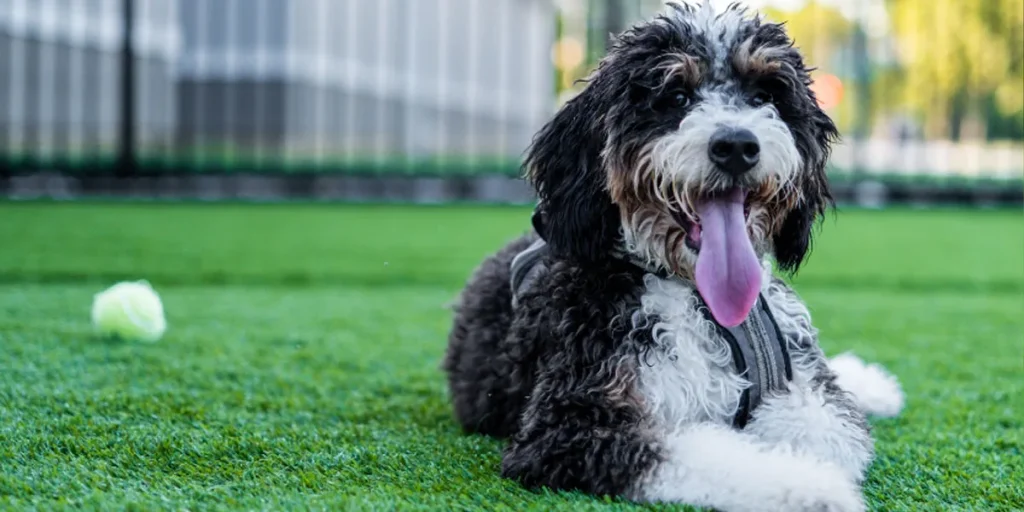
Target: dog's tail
[{"x": 876, "y": 391}]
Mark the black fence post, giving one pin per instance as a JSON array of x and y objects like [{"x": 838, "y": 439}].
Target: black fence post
[
  {"x": 614, "y": 21},
  {"x": 126, "y": 162}
]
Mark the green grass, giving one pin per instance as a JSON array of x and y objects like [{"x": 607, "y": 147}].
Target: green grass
[{"x": 301, "y": 365}]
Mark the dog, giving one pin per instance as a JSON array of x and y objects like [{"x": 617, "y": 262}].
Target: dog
[{"x": 637, "y": 342}]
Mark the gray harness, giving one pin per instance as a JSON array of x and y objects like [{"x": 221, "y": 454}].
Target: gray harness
[
  {"x": 759, "y": 354},
  {"x": 758, "y": 348},
  {"x": 526, "y": 266}
]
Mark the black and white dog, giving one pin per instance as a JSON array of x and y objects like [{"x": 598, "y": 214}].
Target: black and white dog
[{"x": 637, "y": 344}]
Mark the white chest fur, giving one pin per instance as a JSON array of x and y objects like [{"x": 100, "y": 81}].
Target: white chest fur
[{"x": 690, "y": 377}]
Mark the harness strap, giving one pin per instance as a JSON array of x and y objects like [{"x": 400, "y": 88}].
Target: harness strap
[
  {"x": 759, "y": 355},
  {"x": 758, "y": 348},
  {"x": 526, "y": 266}
]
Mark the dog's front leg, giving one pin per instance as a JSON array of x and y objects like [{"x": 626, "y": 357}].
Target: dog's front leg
[
  {"x": 571, "y": 442},
  {"x": 714, "y": 466},
  {"x": 820, "y": 419}
]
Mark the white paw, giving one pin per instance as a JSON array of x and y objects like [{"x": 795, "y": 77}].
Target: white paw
[
  {"x": 876, "y": 391},
  {"x": 827, "y": 491},
  {"x": 801, "y": 501},
  {"x": 731, "y": 471},
  {"x": 797, "y": 483},
  {"x": 805, "y": 422}
]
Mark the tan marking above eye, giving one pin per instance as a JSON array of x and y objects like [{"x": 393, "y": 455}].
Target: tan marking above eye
[
  {"x": 682, "y": 67},
  {"x": 762, "y": 60}
]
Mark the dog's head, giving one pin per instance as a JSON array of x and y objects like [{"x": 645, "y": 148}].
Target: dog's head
[{"x": 696, "y": 147}]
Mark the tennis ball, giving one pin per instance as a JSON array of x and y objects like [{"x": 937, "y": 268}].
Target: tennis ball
[{"x": 130, "y": 311}]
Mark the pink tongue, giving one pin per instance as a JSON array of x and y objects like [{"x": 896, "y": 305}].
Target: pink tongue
[{"x": 728, "y": 273}]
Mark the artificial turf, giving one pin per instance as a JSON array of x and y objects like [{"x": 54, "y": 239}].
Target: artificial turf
[{"x": 300, "y": 369}]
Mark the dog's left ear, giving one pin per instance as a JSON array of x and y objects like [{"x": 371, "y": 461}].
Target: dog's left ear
[{"x": 793, "y": 240}]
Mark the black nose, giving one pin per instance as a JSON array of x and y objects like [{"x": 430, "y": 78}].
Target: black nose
[{"x": 734, "y": 151}]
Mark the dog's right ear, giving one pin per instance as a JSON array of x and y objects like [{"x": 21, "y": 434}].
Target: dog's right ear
[
  {"x": 792, "y": 243},
  {"x": 564, "y": 166}
]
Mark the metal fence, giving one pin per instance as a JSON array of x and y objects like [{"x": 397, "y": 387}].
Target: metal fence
[{"x": 454, "y": 89}]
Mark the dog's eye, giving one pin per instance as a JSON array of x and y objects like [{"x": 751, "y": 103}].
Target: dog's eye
[
  {"x": 762, "y": 97},
  {"x": 672, "y": 100}
]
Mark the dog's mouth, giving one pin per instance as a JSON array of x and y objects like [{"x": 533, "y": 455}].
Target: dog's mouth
[
  {"x": 728, "y": 272},
  {"x": 691, "y": 225}
]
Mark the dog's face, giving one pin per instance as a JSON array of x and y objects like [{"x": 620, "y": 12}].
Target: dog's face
[{"x": 697, "y": 147}]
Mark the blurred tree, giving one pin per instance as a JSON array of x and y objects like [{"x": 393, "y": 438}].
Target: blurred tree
[
  {"x": 819, "y": 30},
  {"x": 824, "y": 36},
  {"x": 956, "y": 66},
  {"x": 959, "y": 59}
]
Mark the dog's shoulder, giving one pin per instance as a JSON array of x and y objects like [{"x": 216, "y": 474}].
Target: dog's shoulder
[
  {"x": 578, "y": 308},
  {"x": 592, "y": 289}
]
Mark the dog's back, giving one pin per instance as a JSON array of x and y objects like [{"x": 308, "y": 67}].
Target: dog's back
[{"x": 484, "y": 386}]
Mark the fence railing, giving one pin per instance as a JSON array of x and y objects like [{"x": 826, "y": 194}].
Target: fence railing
[{"x": 98, "y": 88}]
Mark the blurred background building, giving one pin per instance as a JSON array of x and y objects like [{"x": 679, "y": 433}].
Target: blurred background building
[
  {"x": 329, "y": 79},
  {"x": 60, "y": 67},
  {"x": 359, "y": 96}
]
